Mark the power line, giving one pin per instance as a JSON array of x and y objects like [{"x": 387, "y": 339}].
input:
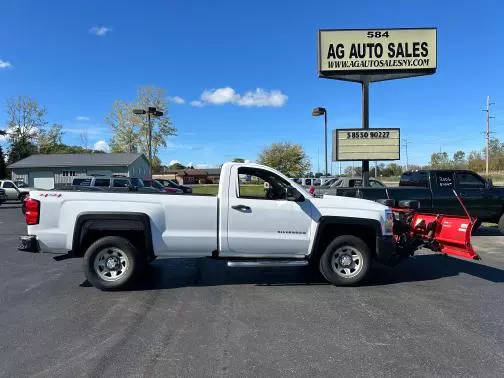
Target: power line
[
  {"x": 487, "y": 133},
  {"x": 405, "y": 145}
]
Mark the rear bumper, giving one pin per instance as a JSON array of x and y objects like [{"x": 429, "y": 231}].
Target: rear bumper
[{"x": 28, "y": 243}]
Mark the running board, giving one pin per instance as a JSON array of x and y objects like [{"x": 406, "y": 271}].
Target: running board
[{"x": 265, "y": 263}]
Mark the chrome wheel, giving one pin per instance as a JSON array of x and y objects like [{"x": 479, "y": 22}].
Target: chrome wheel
[
  {"x": 347, "y": 261},
  {"x": 110, "y": 264}
]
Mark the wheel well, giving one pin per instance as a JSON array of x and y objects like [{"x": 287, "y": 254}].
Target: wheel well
[
  {"x": 327, "y": 231},
  {"x": 135, "y": 227}
]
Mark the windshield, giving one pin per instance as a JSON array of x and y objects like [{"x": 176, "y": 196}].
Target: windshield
[
  {"x": 156, "y": 184},
  {"x": 136, "y": 182}
]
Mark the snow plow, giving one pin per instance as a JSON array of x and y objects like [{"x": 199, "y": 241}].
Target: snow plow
[{"x": 447, "y": 234}]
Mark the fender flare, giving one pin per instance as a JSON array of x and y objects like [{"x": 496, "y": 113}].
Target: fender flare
[{"x": 112, "y": 221}]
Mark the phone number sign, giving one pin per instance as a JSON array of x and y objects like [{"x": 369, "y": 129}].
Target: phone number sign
[
  {"x": 366, "y": 144},
  {"x": 377, "y": 50}
]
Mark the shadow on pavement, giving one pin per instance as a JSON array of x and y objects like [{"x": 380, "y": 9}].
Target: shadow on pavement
[
  {"x": 487, "y": 231},
  {"x": 176, "y": 273}
]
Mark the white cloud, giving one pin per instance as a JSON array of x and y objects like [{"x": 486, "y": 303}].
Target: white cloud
[
  {"x": 101, "y": 145},
  {"x": 100, "y": 31},
  {"x": 201, "y": 166},
  {"x": 82, "y": 118},
  {"x": 5, "y": 64},
  {"x": 197, "y": 103},
  {"x": 173, "y": 162},
  {"x": 261, "y": 98},
  {"x": 227, "y": 95},
  {"x": 176, "y": 100},
  {"x": 219, "y": 96}
]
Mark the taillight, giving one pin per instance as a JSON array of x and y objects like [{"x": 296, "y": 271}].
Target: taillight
[{"x": 32, "y": 214}]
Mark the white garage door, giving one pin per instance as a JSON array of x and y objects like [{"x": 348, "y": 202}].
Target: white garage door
[{"x": 42, "y": 179}]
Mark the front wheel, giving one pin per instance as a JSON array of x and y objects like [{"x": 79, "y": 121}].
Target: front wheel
[
  {"x": 501, "y": 224},
  {"x": 346, "y": 260},
  {"x": 112, "y": 263}
]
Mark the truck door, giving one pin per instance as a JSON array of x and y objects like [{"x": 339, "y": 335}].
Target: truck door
[
  {"x": 476, "y": 196},
  {"x": 443, "y": 199},
  {"x": 261, "y": 221}
]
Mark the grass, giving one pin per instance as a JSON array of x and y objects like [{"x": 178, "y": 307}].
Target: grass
[{"x": 212, "y": 189}]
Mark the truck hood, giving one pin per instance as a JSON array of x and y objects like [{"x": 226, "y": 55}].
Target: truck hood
[{"x": 347, "y": 203}]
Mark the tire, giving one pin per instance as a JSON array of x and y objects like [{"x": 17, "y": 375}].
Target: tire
[
  {"x": 334, "y": 260},
  {"x": 501, "y": 224},
  {"x": 112, "y": 263},
  {"x": 476, "y": 226}
]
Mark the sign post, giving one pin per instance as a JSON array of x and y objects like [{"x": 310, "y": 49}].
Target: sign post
[{"x": 368, "y": 55}]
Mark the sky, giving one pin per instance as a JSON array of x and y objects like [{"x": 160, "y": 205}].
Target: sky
[{"x": 241, "y": 75}]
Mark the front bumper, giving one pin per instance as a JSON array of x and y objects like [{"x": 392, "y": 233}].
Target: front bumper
[
  {"x": 28, "y": 243},
  {"x": 386, "y": 251}
]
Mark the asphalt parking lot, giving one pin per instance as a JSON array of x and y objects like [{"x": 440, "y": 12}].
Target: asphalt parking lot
[{"x": 432, "y": 315}]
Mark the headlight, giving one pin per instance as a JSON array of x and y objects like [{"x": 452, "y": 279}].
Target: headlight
[{"x": 389, "y": 222}]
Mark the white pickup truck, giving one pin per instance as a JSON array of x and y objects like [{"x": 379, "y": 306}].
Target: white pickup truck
[{"x": 278, "y": 225}]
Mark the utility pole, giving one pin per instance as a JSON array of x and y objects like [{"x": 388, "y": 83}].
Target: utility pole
[
  {"x": 405, "y": 143},
  {"x": 487, "y": 133}
]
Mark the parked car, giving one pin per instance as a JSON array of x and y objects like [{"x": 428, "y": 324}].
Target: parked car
[
  {"x": 151, "y": 183},
  {"x": 434, "y": 190},
  {"x": 13, "y": 191},
  {"x": 345, "y": 182},
  {"x": 173, "y": 184},
  {"x": 114, "y": 183},
  {"x": 3, "y": 196}
]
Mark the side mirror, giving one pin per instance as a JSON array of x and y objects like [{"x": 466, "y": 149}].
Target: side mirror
[{"x": 291, "y": 194}]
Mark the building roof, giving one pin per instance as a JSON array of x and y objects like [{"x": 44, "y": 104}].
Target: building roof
[{"x": 77, "y": 160}]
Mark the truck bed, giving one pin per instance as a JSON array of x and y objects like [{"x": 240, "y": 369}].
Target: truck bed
[{"x": 176, "y": 220}]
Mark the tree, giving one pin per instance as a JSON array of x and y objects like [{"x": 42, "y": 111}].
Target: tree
[
  {"x": 131, "y": 131},
  {"x": 25, "y": 120},
  {"x": 440, "y": 160},
  {"x": 3, "y": 166},
  {"x": 238, "y": 160},
  {"x": 161, "y": 126},
  {"x": 288, "y": 158},
  {"x": 126, "y": 133},
  {"x": 459, "y": 159},
  {"x": 176, "y": 166},
  {"x": 50, "y": 140}
]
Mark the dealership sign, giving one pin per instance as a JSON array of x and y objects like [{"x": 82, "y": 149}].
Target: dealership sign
[
  {"x": 366, "y": 144},
  {"x": 377, "y": 51}
]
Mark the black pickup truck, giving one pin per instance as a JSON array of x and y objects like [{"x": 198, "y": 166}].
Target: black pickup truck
[{"x": 434, "y": 190}]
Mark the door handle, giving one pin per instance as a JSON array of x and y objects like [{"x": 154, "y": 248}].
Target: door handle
[{"x": 241, "y": 208}]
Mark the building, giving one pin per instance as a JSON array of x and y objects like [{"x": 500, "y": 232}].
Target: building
[
  {"x": 192, "y": 176},
  {"x": 57, "y": 170}
]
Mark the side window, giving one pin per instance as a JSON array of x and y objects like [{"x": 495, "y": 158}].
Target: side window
[
  {"x": 375, "y": 184},
  {"x": 102, "y": 182},
  {"x": 445, "y": 180},
  {"x": 469, "y": 180},
  {"x": 8, "y": 185},
  {"x": 423, "y": 179},
  {"x": 260, "y": 184},
  {"x": 355, "y": 183},
  {"x": 121, "y": 183}
]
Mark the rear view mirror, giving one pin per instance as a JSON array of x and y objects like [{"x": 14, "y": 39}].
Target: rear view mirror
[
  {"x": 291, "y": 194},
  {"x": 409, "y": 204}
]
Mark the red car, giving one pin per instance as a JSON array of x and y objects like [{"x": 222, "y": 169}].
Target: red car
[{"x": 151, "y": 183}]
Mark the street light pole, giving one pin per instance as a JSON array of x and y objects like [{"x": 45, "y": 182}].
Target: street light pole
[
  {"x": 318, "y": 112},
  {"x": 150, "y": 110},
  {"x": 325, "y": 137},
  {"x": 150, "y": 139}
]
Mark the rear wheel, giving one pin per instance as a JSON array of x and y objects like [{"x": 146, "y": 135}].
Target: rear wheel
[
  {"x": 346, "y": 260},
  {"x": 501, "y": 224},
  {"x": 112, "y": 263}
]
